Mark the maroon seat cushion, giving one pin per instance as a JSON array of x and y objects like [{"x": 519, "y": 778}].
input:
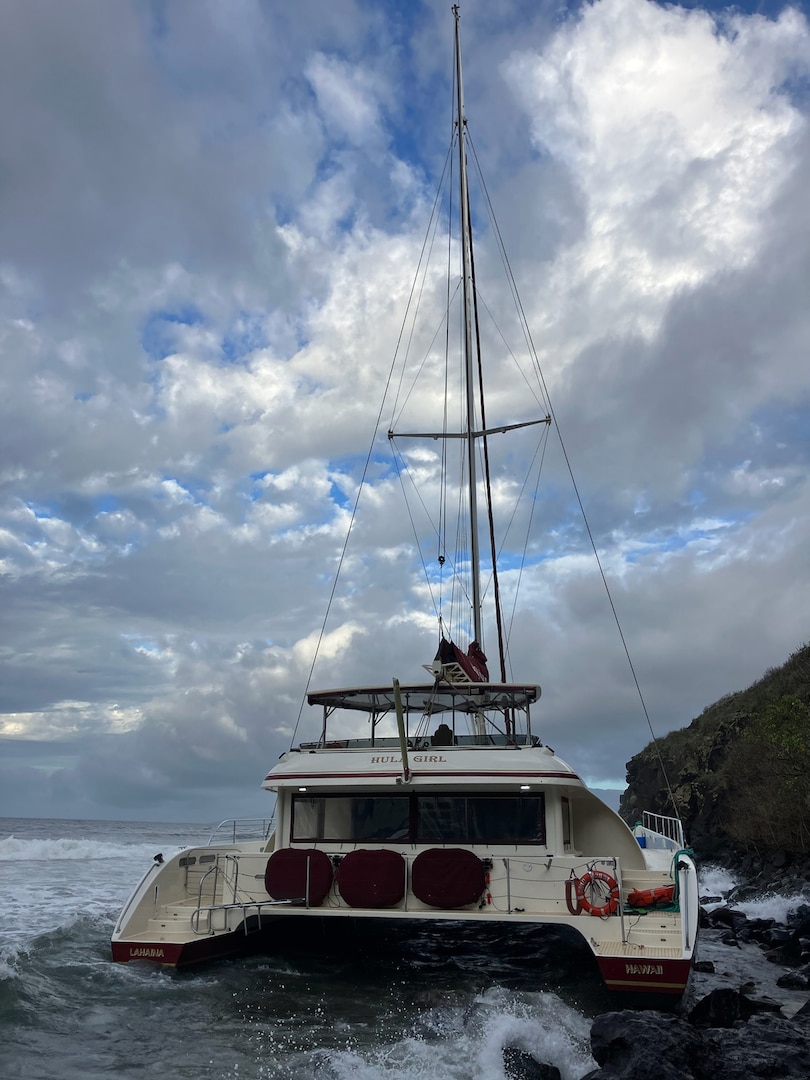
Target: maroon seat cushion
[
  {"x": 372, "y": 878},
  {"x": 447, "y": 877},
  {"x": 285, "y": 877}
]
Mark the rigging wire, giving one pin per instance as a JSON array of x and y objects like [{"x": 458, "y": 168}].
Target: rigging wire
[
  {"x": 411, "y": 308},
  {"x": 411, "y": 311},
  {"x": 510, "y": 277},
  {"x": 397, "y": 350},
  {"x": 544, "y": 444},
  {"x": 542, "y": 383},
  {"x": 487, "y": 474},
  {"x": 397, "y": 457}
]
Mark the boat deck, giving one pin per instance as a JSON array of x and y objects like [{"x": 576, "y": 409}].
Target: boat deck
[{"x": 656, "y": 935}]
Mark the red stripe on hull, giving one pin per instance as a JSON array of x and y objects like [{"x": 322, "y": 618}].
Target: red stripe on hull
[
  {"x": 645, "y": 976},
  {"x": 422, "y": 773},
  {"x": 180, "y": 955}
]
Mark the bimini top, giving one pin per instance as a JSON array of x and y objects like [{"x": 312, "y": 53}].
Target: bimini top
[
  {"x": 429, "y": 698},
  {"x": 494, "y": 713}
]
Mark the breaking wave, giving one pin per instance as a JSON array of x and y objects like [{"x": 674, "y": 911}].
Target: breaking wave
[{"x": 14, "y": 849}]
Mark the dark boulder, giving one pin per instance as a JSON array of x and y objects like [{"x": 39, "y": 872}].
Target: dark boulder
[
  {"x": 775, "y": 937},
  {"x": 727, "y": 916},
  {"x": 723, "y": 1008},
  {"x": 644, "y": 1046},
  {"x": 704, "y": 966},
  {"x": 795, "y": 980},
  {"x": 660, "y": 1046},
  {"x": 767, "y": 1046}
]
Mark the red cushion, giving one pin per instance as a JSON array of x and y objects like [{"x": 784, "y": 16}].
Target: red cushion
[
  {"x": 372, "y": 878},
  {"x": 447, "y": 877},
  {"x": 285, "y": 877}
]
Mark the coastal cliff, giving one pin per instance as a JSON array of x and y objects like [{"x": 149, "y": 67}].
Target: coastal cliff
[{"x": 739, "y": 773}]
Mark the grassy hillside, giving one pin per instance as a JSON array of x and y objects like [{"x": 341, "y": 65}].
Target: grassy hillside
[{"x": 740, "y": 773}]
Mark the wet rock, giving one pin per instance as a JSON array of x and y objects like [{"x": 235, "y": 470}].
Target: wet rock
[
  {"x": 775, "y": 936},
  {"x": 704, "y": 918},
  {"x": 795, "y": 980},
  {"x": 520, "y": 1065},
  {"x": 767, "y": 1046},
  {"x": 797, "y": 946},
  {"x": 760, "y": 926},
  {"x": 720, "y": 1008},
  {"x": 705, "y": 966},
  {"x": 725, "y": 1007},
  {"x": 741, "y": 893},
  {"x": 727, "y": 916},
  {"x": 644, "y": 1046},
  {"x": 657, "y": 1046}
]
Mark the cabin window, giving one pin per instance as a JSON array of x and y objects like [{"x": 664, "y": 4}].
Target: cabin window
[
  {"x": 478, "y": 819},
  {"x": 422, "y": 819},
  {"x": 351, "y": 818}
]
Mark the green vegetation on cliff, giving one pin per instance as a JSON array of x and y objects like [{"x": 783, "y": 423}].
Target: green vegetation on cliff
[{"x": 740, "y": 773}]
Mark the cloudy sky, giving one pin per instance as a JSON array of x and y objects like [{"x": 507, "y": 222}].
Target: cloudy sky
[{"x": 211, "y": 215}]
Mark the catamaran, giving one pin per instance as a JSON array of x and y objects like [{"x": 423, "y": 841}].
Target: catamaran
[{"x": 433, "y": 803}]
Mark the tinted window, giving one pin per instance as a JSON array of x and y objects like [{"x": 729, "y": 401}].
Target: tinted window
[
  {"x": 475, "y": 819},
  {"x": 447, "y": 819},
  {"x": 353, "y": 818}
]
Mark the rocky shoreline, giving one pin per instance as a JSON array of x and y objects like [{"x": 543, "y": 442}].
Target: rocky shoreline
[{"x": 744, "y": 1027}]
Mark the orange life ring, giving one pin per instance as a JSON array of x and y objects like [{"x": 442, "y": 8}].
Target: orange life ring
[
  {"x": 593, "y": 881},
  {"x": 664, "y": 894}
]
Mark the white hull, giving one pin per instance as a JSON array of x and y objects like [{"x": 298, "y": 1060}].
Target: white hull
[{"x": 213, "y": 901}]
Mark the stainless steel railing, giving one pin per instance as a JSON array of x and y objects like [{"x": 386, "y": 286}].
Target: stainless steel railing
[
  {"x": 234, "y": 830},
  {"x": 668, "y": 827}
]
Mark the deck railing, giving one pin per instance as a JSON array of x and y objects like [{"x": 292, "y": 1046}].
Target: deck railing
[
  {"x": 236, "y": 830},
  {"x": 514, "y": 884},
  {"x": 669, "y": 828}
]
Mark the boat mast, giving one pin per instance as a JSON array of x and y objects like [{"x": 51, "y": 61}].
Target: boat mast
[{"x": 466, "y": 265}]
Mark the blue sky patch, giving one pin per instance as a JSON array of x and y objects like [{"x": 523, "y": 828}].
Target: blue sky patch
[{"x": 159, "y": 335}]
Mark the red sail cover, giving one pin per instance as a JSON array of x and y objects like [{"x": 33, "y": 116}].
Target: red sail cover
[
  {"x": 285, "y": 877},
  {"x": 473, "y": 662},
  {"x": 372, "y": 878},
  {"x": 447, "y": 877}
]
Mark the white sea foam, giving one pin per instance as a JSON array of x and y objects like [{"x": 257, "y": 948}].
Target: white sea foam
[
  {"x": 20, "y": 849},
  {"x": 51, "y": 882},
  {"x": 779, "y": 908},
  {"x": 470, "y": 1043},
  {"x": 715, "y": 881}
]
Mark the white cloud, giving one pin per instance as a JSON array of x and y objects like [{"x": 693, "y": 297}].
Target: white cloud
[
  {"x": 348, "y": 99},
  {"x": 209, "y": 236}
]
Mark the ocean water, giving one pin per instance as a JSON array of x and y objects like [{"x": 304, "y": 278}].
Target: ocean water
[
  {"x": 68, "y": 1012},
  {"x": 433, "y": 1013}
]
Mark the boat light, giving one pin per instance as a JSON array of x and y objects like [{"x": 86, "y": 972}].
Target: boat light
[
  {"x": 525, "y": 787},
  {"x": 302, "y": 789}
]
